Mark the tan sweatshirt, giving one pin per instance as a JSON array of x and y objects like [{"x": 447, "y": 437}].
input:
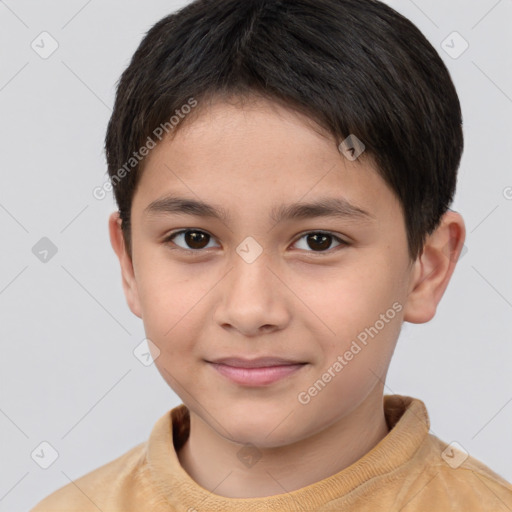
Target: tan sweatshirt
[{"x": 409, "y": 470}]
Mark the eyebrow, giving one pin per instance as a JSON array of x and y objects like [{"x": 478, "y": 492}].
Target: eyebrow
[{"x": 336, "y": 207}]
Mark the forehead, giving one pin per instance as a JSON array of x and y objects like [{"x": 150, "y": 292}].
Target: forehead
[{"x": 256, "y": 155}]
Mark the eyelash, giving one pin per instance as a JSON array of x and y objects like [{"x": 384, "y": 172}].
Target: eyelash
[{"x": 171, "y": 236}]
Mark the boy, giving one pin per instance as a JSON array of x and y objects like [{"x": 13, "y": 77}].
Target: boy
[{"x": 245, "y": 136}]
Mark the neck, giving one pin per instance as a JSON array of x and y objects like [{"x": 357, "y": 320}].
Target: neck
[{"x": 209, "y": 458}]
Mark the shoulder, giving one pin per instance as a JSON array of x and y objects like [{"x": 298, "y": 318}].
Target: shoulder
[
  {"x": 453, "y": 478},
  {"x": 95, "y": 490}
]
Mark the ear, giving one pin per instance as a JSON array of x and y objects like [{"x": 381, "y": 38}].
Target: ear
[
  {"x": 127, "y": 272},
  {"x": 433, "y": 269}
]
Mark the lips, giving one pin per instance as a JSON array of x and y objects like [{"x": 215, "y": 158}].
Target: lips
[
  {"x": 262, "y": 371},
  {"x": 260, "y": 362}
]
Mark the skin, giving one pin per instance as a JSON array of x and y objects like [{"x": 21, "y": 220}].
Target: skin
[{"x": 297, "y": 300}]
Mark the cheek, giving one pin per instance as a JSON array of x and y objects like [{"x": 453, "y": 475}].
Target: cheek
[
  {"x": 348, "y": 297},
  {"x": 168, "y": 315},
  {"x": 165, "y": 295},
  {"x": 362, "y": 309}
]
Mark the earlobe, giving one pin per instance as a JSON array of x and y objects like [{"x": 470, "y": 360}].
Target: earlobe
[
  {"x": 433, "y": 269},
  {"x": 127, "y": 272}
]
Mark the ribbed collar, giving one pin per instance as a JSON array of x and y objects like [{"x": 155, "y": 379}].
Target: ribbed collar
[{"x": 406, "y": 417}]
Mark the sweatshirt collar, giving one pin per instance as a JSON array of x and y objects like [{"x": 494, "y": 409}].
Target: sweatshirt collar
[{"x": 406, "y": 417}]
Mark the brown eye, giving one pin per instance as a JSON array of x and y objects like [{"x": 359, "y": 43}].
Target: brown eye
[
  {"x": 196, "y": 239},
  {"x": 192, "y": 239},
  {"x": 319, "y": 242}
]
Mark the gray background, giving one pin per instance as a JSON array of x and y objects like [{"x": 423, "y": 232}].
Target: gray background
[{"x": 68, "y": 373}]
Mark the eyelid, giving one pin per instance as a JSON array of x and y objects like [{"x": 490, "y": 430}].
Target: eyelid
[
  {"x": 321, "y": 232},
  {"x": 172, "y": 234},
  {"x": 343, "y": 242},
  {"x": 328, "y": 252}
]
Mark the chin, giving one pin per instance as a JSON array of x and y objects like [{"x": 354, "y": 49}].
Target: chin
[{"x": 263, "y": 434}]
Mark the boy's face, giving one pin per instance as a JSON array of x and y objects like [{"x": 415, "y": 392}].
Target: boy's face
[{"x": 210, "y": 294}]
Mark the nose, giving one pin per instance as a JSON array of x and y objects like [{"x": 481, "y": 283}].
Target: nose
[{"x": 253, "y": 298}]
